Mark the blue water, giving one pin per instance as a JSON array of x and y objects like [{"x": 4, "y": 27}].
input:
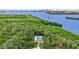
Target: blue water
[{"x": 70, "y": 25}]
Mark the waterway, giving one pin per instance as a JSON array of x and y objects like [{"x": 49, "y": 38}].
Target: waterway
[{"x": 70, "y": 25}]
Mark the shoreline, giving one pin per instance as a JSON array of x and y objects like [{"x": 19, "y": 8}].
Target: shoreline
[{"x": 63, "y": 12}]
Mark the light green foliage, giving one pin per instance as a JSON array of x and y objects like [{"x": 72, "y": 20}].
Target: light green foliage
[{"x": 19, "y": 31}]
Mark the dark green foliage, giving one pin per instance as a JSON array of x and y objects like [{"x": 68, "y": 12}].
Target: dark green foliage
[
  {"x": 54, "y": 24},
  {"x": 51, "y": 23},
  {"x": 71, "y": 18}
]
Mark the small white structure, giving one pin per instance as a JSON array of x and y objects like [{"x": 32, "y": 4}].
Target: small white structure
[{"x": 38, "y": 40}]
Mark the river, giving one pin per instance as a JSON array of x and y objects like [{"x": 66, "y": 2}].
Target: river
[{"x": 70, "y": 25}]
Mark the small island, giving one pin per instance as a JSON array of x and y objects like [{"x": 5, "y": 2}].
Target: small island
[{"x": 71, "y": 18}]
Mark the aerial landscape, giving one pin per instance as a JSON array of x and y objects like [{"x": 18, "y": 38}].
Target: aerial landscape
[{"x": 59, "y": 29}]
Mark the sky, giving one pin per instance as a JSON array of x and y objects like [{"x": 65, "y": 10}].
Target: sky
[{"x": 39, "y": 4}]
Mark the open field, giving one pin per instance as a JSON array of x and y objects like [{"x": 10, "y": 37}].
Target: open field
[{"x": 18, "y": 32}]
